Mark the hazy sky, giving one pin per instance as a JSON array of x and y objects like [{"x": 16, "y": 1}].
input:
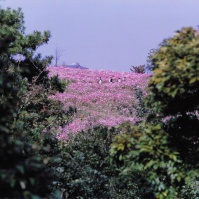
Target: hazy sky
[{"x": 106, "y": 34}]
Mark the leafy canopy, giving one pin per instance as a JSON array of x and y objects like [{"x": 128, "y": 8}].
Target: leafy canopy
[
  {"x": 22, "y": 47},
  {"x": 165, "y": 149},
  {"x": 23, "y": 172},
  {"x": 174, "y": 85}
]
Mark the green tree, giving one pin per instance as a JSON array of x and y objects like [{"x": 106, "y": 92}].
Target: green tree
[
  {"x": 165, "y": 149},
  {"x": 174, "y": 91},
  {"x": 174, "y": 85},
  {"x": 21, "y": 49},
  {"x": 23, "y": 172}
]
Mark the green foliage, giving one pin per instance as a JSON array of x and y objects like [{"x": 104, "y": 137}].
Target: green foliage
[
  {"x": 183, "y": 136},
  {"x": 39, "y": 113},
  {"x": 138, "y": 69},
  {"x": 149, "y": 65},
  {"x": 141, "y": 109},
  {"x": 58, "y": 84},
  {"x": 190, "y": 191},
  {"x": 145, "y": 150},
  {"x": 21, "y": 47},
  {"x": 174, "y": 93},
  {"x": 164, "y": 151},
  {"x": 24, "y": 173},
  {"x": 174, "y": 85},
  {"x": 85, "y": 169},
  {"x": 40, "y": 117}
]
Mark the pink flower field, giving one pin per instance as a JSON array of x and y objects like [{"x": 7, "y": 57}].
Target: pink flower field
[{"x": 98, "y": 102}]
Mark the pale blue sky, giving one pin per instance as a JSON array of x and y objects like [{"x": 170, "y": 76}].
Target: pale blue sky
[{"x": 106, "y": 34}]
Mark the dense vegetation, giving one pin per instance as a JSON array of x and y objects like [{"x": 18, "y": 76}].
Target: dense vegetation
[
  {"x": 141, "y": 145},
  {"x": 165, "y": 148}
]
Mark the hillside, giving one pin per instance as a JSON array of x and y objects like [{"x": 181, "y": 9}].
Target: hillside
[{"x": 107, "y": 103}]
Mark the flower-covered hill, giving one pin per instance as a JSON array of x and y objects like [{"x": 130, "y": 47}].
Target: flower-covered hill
[{"x": 98, "y": 102}]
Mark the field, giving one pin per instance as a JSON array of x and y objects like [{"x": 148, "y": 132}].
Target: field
[{"x": 107, "y": 103}]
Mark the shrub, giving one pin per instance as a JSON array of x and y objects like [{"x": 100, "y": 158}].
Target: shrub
[
  {"x": 86, "y": 170},
  {"x": 145, "y": 152},
  {"x": 138, "y": 69},
  {"x": 58, "y": 84},
  {"x": 141, "y": 109},
  {"x": 23, "y": 173}
]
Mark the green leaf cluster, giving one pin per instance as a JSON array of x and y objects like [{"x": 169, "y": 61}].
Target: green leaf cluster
[
  {"x": 21, "y": 47},
  {"x": 58, "y": 84},
  {"x": 144, "y": 150},
  {"x": 174, "y": 86}
]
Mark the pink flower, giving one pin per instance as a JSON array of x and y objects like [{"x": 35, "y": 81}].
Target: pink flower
[{"x": 105, "y": 104}]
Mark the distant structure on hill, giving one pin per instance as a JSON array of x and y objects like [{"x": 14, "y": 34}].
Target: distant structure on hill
[{"x": 75, "y": 65}]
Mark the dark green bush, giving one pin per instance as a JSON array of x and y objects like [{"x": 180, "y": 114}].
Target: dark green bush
[
  {"x": 58, "y": 84},
  {"x": 86, "y": 171},
  {"x": 141, "y": 108},
  {"x": 23, "y": 173}
]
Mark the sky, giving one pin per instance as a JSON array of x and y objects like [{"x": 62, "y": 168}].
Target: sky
[{"x": 105, "y": 34}]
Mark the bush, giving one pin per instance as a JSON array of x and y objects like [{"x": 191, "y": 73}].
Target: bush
[
  {"x": 86, "y": 171},
  {"x": 144, "y": 152},
  {"x": 138, "y": 69},
  {"x": 23, "y": 173},
  {"x": 58, "y": 84},
  {"x": 141, "y": 109}
]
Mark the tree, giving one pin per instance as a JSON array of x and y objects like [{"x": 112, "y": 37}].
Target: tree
[
  {"x": 174, "y": 86},
  {"x": 58, "y": 54},
  {"x": 138, "y": 69},
  {"x": 174, "y": 93},
  {"x": 165, "y": 150},
  {"x": 149, "y": 66},
  {"x": 23, "y": 46},
  {"x": 23, "y": 172}
]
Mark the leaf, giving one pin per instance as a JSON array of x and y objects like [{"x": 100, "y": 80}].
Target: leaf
[
  {"x": 158, "y": 71},
  {"x": 149, "y": 164},
  {"x": 178, "y": 178},
  {"x": 20, "y": 168},
  {"x": 193, "y": 80},
  {"x": 120, "y": 147}
]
